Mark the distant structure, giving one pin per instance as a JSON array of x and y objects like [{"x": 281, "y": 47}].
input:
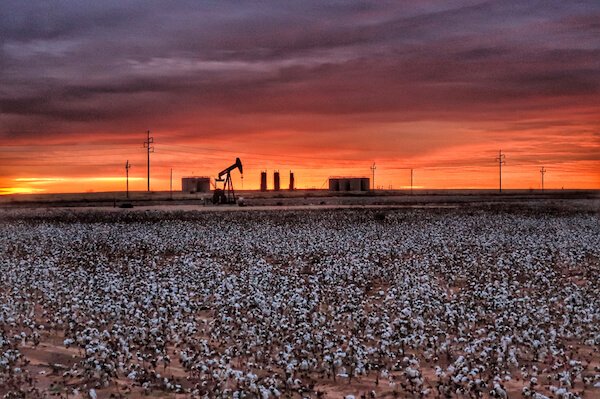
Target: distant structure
[
  {"x": 276, "y": 181},
  {"x": 226, "y": 195},
  {"x": 292, "y": 181},
  {"x": 543, "y": 172},
  {"x": 373, "y": 167},
  {"x": 150, "y": 148},
  {"x": 501, "y": 159},
  {"x": 349, "y": 184},
  {"x": 127, "y": 167},
  {"x": 195, "y": 184},
  {"x": 263, "y": 181}
]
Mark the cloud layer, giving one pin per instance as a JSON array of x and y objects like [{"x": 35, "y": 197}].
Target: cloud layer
[{"x": 424, "y": 83}]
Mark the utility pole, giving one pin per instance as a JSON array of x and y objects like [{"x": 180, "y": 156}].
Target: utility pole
[
  {"x": 411, "y": 181},
  {"x": 171, "y": 184},
  {"x": 373, "y": 170},
  {"x": 127, "y": 166},
  {"x": 501, "y": 161},
  {"x": 149, "y": 140},
  {"x": 543, "y": 172}
]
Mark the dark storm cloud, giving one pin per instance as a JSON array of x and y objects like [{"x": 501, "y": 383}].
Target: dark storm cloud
[{"x": 110, "y": 65}]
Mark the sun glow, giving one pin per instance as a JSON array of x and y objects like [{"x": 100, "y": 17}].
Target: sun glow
[
  {"x": 38, "y": 185},
  {"x": 19, "y": 190}
]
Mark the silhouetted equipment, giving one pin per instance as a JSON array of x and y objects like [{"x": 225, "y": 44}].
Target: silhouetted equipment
[
  {"x": 349, "y": 184},
  {"x": 373, "y": 170},
  {"x": 226, "y": 195},
  {"x": 127, "y": 166},
  {"x": 543, "y": 172},
  {"x": 149, "y": 140},
  {"x": 276, "y": 181},
  {"x": 195, "y": 184},
  {"x": 501, "y": 162},
  {"x": 291, "y": 181},
  {"x": 263, "y": 181}
]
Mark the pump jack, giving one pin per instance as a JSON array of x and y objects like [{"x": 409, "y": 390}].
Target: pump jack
[{"x": 226, "y": 195}]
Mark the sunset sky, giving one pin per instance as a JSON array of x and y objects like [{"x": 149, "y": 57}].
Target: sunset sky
[{"x": 322, "y": 88}]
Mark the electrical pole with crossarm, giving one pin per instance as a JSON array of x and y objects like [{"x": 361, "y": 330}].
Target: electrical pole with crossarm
[
  {"x": 501, "y": 161},
  {"x": 149, "y": 140},
  {"x": 543, "y": 172},
  {"x": 373, "y": 170},
  {"x": 127, "y": 167}
]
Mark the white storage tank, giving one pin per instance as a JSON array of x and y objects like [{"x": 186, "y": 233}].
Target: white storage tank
[{"x": 195, "y": 184}]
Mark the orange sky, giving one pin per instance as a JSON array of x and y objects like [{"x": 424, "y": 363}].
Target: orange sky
[
  {"x": 320, "y": 89},
  {"x": 465, "y": 159}
]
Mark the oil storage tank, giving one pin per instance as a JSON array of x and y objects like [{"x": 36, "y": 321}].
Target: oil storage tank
[
  {"x": 349, "y": 184},
  {"x": 276, "y": 181},
  {"x": 195, "y": 184},
  {"x": 263, "y": 181}
]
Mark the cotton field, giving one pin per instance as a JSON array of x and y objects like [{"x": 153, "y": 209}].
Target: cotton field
[{"x": 471, "y": 302}]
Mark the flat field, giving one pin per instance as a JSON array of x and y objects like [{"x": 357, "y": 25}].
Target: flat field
[{"x": 486, "y": 300}]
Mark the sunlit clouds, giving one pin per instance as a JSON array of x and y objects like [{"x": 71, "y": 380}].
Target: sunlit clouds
[{"x": 321, "y": 88}]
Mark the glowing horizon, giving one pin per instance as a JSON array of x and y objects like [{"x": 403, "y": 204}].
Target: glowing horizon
[{"x": 483, "y": 177}]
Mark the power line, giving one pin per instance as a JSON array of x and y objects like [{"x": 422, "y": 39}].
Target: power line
[
  {"x": 373, "y": 170},
  {"x": 20, "y": 148},
  {"x": 149, "y": 140},
  {"x": 61, "y": 156},
  {"x": 127, "y": 166},
  {"x": 286, "y": 156},
  {"x": 543, "y": 172},
  {"x": 279, "y": 160},
  {"x": 70, "y": 146},
  {"x": 501, "y": 160}
]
